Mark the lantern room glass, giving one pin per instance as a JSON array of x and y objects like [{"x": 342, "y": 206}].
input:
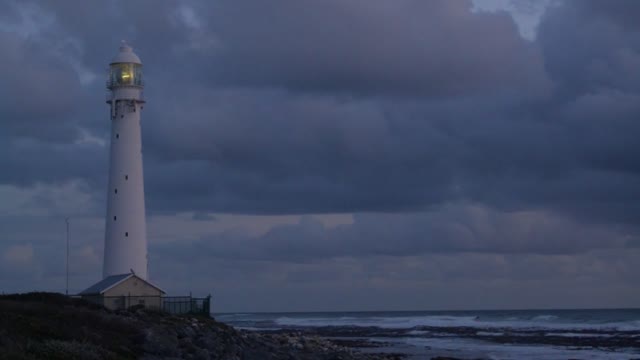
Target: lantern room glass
[{"x": 125, "y": 74}]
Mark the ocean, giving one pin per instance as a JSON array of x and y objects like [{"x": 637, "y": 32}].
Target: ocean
[{"x": 513, "y": 334}]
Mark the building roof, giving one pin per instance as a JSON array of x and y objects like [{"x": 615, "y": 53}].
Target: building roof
[
  {"x": 107, "y": 283},
  {"x": 126, "y": 55}
]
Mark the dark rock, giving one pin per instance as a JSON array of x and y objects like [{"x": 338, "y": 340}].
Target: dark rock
[{"x": 52, "y": 326}]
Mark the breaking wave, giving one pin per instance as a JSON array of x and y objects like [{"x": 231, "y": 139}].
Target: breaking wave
[{"x": 408, "y": 322}]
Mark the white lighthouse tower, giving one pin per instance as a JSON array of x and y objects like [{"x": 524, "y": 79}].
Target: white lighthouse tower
[{"x": 125, "y": 243}]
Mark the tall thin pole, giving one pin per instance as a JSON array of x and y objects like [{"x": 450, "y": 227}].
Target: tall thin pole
[{"x": 67, "y": 288}]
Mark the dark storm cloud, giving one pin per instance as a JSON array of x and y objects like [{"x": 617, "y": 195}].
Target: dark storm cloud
[
  {"x": 577, "y": 154},
  {"x": 345, "y": 107},
  {"x": 41, "y": 111},
  {"x": 434, "y": 48},
  {"x": 432, "y": 281},
  {"x": 38, "y": 91},
  {"x": 453, "y": 229},
  {"x": 588, "y": 46},
  {"x": 389, "y": 154},
  {"x": 200, "y": 216},
  {"x": 622, "y": 12},
  {"x": 481, "y": 162},
  {"x": 32, "y": 252},
  {"x": 319, "y": 151},
  {"x": 28, "y": 162},
  {"x": 50, "y": 131}
]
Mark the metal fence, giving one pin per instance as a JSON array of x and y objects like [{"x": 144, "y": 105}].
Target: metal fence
[
  {"x": 170, "y": 304},
  {"x": 186, "y": 305}
]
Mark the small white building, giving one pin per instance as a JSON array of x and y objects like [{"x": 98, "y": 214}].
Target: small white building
[{"x": 123, "y": 291}]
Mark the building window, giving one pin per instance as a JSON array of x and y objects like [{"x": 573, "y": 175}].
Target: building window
[
  {"x": 117, "y": 136},
  {"x": 114, "y": 218},
  {"x": 126, "y": 177},
  {"x": 115, "y": 190},
  {"x": 126, "y": 234}
]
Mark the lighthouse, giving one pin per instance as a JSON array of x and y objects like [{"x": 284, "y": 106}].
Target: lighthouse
[{"x": 125, "y": 243}]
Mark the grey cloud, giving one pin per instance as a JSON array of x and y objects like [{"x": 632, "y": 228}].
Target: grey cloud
[
  {"x": 452, "y": 229},
  {"x": 433, "y": 281},
  {"x": 200, "y": 216},
  {"x": 38, "y": 91},
  {"x": 282, "y": 134},
  {"x": 29, "y": 162},
  {"x": 434, "y": 48},
  {"x": 299, "y": 151},
  {"x": 45, "y": 236},
  {"x": 316, "y": 107},
  {"x": 621, "y": 12},
  {"x": 586, "y": 50}
]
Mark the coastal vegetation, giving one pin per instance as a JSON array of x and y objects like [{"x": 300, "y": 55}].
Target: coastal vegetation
[{"x": 54, "y": 326}]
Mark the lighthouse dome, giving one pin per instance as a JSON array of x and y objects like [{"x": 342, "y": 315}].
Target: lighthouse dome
[
  {"x": 126, "y": 55},
  {"x": 125, "y": 69}
]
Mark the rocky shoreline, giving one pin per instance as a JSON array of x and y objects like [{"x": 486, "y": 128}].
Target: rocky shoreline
[
  {"x": 53, "y": 326},
  {"x": 577, "y": 338},
  {"x": 618, "y": 344}
]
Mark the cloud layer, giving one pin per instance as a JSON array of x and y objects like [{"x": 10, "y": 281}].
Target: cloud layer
[{"x": 437, "y": 128}]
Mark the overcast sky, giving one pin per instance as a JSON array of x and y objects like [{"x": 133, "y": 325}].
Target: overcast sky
[{"x": 335, "y": 155}]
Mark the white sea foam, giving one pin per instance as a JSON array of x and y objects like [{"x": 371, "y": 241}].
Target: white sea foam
[
  {"x": 474, "y": 348},
  {"x": 432, "y": 343},
  {"x": 407, "y": 322},
  {"x": 382, "y": 322},
  {"x": 583, "y": 335},
  {"x": 232, "y": 316},
  {"x": 252, "y": 328},
  {"x": 418, "y": 332},
  {"x": 489, "y": 333},
  {"x": 545, "y": 318}
]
